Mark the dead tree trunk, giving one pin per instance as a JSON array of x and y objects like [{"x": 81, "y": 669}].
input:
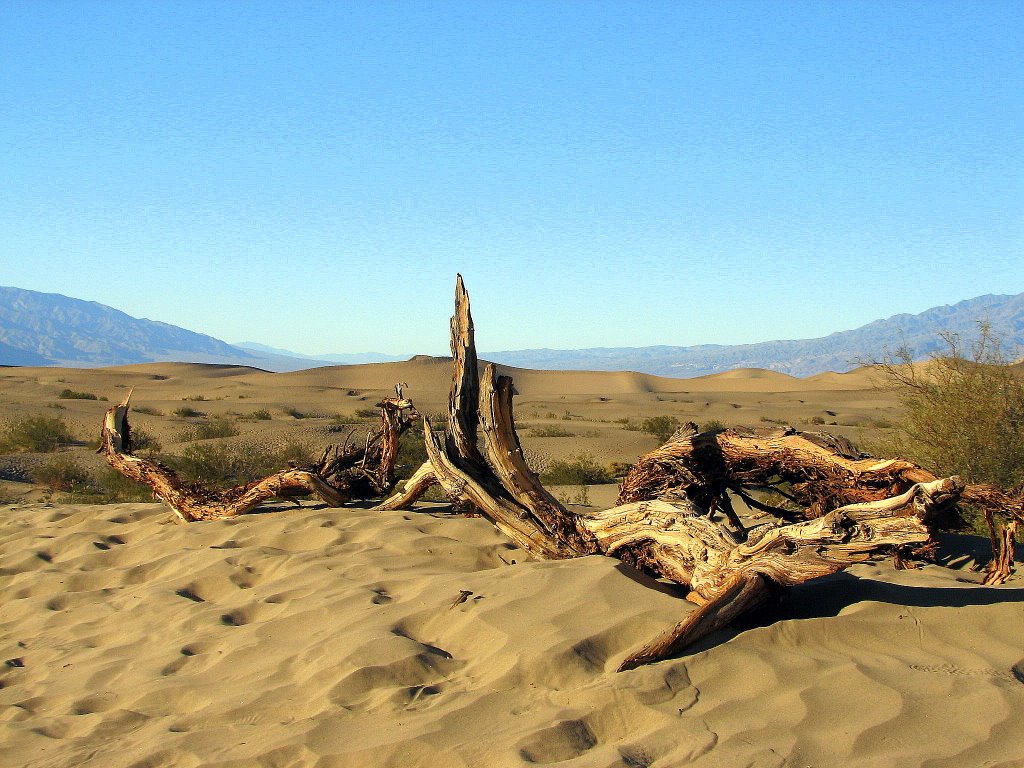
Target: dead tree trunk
[
  {"x": 727, "y": 572},
  {"x": 815, "y": 471},
  {"x": 342, "y": 474}
]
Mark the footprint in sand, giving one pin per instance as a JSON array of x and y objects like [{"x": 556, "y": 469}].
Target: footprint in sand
[{"x": 566, "y": 740}]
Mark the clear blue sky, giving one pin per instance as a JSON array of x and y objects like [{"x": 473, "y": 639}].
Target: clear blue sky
[{"x": 312, "y": 175}]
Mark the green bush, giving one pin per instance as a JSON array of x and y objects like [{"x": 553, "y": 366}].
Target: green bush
[
  {"x": 62, "y": 473},
  {"x": 553, "y": 431},
  {"x": 662, "y": 427},
  {"x": 412, "y": 452},
  {"x": 70, "y": 394},
  {"x": 964, "y": 411},
  {"x": 578, "y": 469},
  {"x": 344, "y": 418},
  {"x": 144, "y": 441},
  {"x": 260, "y": 415},
  {"x": 714, "y": 425},
  {"x": 217, "y": 426},
  {"x": 42, "y": 434},
  {"x": 230, "y": 464}
]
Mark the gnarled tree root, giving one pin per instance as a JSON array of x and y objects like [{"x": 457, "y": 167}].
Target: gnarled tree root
[
  {"x": 886, "y": 505},
  {"x": 340, "y": 475}
]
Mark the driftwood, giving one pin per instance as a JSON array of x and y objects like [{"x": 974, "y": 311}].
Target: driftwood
[
  {"x": 341, "y": 475},
  {"x": 815, "y": 472},
  {"x": 728, "y": 570}
]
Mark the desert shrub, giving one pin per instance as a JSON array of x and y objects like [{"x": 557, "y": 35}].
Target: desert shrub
[
  {"x": 817, "y": 420},
  {"x": 195, "y": 398},
  {"x": 552, "y": 431},
  {"x": 963, "y": 411},
  {"x": 217, "y": 463},
  {"x": 261, "y": 414},
  {"x": 662, "y": 427},
  {"x": 187, "y": 412},
  {"x": 619, "y": 469},
  {"x": 294, "y": 412},
  {"x": 147, "y": 410},
  {"x": 42, "y": 434},
  {"x": 578, "y": 469},
  {"x": 411, "y": 453},
  {"x": 62, "y": 473},
  {"x": 70, "y": 394},
  {"x": 367, "y": 413},
  {"x": 143, "y": 440},
  {"x": 56, "y": 406},
  {"x": 714, "y": 425},
  {"x": 111, "y": 487},
  {"x": 342, "y": 419},
  {"x": 218, "y": 426}
]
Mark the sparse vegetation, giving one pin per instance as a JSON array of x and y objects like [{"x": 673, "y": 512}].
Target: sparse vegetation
[
  {"x": 714, "y": 425},
  {"x": 294, "y": 412},
  {"x": 62, "y": 473},
  {"x": 342, "y": 419},
  {"x": 187, "y": 412},
  {"x": 216, "y": 427},
  {"x": 147, "y": 410},
  {"x": 40, "y": 434},
  {"x": 195, "y": 398},
  {"x": 577, "y": 469},
  {"x": 70, "y": 394},
  {"x": 964, "y": 411},
  {"x": 662, "y": 427},
  {"x": 367, "y": 413},
  {"x": 218, "y": 463},
  {"x": 261, "y": 414},
  {"x": 552, "y": 431},
  {"x": 143, "y": 440}
]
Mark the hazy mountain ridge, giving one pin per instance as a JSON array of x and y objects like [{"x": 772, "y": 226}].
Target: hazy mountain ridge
[
  {"x": 51, "y": 329},
  {"x": 840, "y": 351}
]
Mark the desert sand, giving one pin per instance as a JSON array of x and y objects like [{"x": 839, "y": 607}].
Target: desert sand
[{"x": 348, "y": 637}]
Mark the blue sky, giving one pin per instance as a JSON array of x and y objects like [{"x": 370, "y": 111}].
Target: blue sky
[{"x": 312, "y": 175}]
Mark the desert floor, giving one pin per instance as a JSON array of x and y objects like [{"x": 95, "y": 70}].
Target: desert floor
[{"x": 347, "y": 637}]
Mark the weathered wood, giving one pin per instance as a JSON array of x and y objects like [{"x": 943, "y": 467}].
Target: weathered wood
[
  {"x": 417, "y": 485},
  {"x": 506, "y": 460},
  {"x": 341, "y": 475},
  {"x": 858, "y": 508},
  {"x": 460, "y": 440},
  {"x": 820, "y": 477}
]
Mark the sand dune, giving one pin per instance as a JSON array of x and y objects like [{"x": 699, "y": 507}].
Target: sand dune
[
  {"x": 320, "y": 637},
  {"x": 317, "y": 637}
]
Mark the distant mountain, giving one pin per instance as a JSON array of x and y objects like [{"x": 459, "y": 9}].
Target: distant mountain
[
  {"x": 840, "y": 351},
  {"x": 354, "y": 358},
  {"x": 50, "y": 329}
]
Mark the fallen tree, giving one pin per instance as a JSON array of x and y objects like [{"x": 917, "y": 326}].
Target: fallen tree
[
  {"x": 674, "y": 518},
  {"x": 343, "y": 473},
  {"x": 815, "y": 472},
  {"x": 728, "y": 569}
]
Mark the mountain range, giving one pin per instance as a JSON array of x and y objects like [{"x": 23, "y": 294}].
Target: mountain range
[{"x": 39, "y": 329}]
